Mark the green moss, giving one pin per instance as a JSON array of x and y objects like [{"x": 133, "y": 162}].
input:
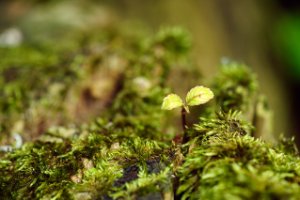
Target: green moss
[
  {"x": 235, "y": 88},
  {"x": 227, "y": 163},
  {"x": 37, "y": 171},
  {"x": 124, "y": 149}
]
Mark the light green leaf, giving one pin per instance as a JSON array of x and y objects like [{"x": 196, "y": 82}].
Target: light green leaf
[
  {"x": 198, "y": 95},
  {"x": 171, "y": 101}
]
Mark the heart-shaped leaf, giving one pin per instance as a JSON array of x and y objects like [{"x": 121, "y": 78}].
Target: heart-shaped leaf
[
  {"x": 171, "y": 101},
  {"x": 198, "y": 95}
]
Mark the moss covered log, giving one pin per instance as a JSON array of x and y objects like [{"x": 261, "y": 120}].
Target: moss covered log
[{"x": 90, "y": 114}]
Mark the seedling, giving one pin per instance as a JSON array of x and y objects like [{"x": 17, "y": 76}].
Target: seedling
[{"x": 196, "y": 96}]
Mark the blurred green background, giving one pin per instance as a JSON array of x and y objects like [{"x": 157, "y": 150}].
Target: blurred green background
[{"x": 262, "y": 34}]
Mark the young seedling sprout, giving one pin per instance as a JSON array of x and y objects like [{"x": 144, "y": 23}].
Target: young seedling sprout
[{"x": 196, "y": 96}]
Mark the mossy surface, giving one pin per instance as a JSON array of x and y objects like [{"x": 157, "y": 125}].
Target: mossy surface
[
  {"x": 90, "y": 112},
  {"x": 227, "y": 163}
]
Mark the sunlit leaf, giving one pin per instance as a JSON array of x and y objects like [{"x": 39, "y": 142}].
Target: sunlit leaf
[
  {"x": 171, "y": 101},
  {"x": 198, "y": 95}
]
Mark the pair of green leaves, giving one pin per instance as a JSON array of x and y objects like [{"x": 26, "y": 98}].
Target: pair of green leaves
[{"x": 196, "y": 96}]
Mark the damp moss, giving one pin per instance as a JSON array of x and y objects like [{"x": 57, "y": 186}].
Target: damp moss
[
  {"x": 124, "y": 149},
  {"x": 228, "y": 163}
]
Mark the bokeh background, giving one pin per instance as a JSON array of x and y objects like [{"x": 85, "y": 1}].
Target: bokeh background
[{"x": 262, "y": 34}]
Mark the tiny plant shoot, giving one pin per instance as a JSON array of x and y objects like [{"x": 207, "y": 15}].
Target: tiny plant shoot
[{"x": 196, "y": 96}]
